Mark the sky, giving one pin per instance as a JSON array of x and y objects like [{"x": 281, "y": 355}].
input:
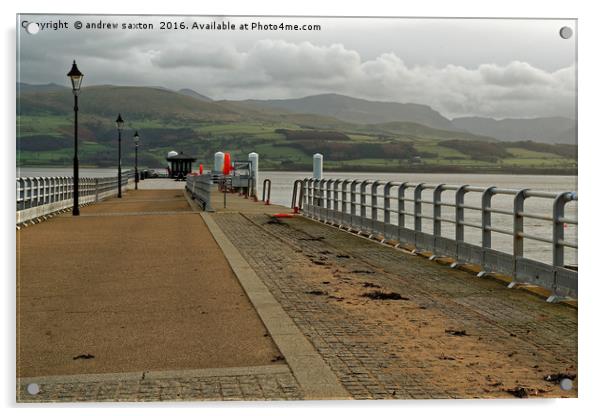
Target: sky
[{"x": 496, "y": 68}]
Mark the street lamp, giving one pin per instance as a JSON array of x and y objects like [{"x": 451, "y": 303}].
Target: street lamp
[
  {"x": 136, "y": 142},
  {"x": 76, "y": 83},
  {"x": 119, "y": 123}
]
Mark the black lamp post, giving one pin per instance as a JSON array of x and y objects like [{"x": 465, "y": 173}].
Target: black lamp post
[
  {"x": 136, "y": 142},
  {"x": 119, "y": 123},
  {"x": 76, "y": 82}
]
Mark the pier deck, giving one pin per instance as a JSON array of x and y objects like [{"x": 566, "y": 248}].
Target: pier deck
[
  {"x": 132, "y": 290},
  {"x": 447, "y": 335}
]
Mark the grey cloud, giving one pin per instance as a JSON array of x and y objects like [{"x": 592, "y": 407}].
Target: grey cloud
[
  {"x": 289, "y": 69},
  {"x": 287, "y": 61},
  {"x": 406, "y": 60},
  {"x": 199, "y": 56}
]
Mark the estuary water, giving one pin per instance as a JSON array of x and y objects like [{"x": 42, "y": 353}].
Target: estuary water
[{"x": 282, "y": 193}]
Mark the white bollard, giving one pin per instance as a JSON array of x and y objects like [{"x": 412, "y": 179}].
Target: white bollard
[
  {"x": 218, "y": 163},
  {"x": 318, "y": 162},
  {"x": 254, "y": 159}
]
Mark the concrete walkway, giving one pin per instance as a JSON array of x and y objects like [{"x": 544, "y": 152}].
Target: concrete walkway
[{"x": 134, "y": 286}]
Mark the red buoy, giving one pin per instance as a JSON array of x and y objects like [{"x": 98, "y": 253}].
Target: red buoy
[
  {"x": 282, "y": 215},
  {"x": 227, "y": 163}
]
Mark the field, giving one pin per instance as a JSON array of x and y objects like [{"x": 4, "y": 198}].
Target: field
[
  {"x": 285, "y": 141},
  {"x": 276, "y": 151}
]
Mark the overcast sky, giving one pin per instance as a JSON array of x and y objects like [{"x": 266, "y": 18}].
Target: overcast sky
[{"x": 460, "y": 67}]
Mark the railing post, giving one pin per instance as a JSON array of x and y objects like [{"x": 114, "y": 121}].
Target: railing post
[
  {"x": 38, "y": 190},
  {"x": 558, "y": 227},
  {"x": 304, "y": 194},
  {"x": 318, "y": 193},
  {"x": 41, "y": 190},
  {"x": 45, "y": 190},
  {"x": 344, "y": 196},
  {"x": 418, "y": 207},
  {"x": 59, "y": 188},
  {"x": 329, "y": 214},
  {"x": 518, "y": 227},
  {"x": 387, "y": 202},
  {"x": 322, "y": 193},
  {"x": 374, "y": 203},
  {"x": 34, "y": 191},
  {"x": 267, "y": 185},
  {"x": 363, "y": 187},
  {"x": 309, "y": 184},
  {"x": 352, "y": 200},
  {"x": 401, "y": 205},
  {"x": 296, "y": 202},
  {"x": 337, "y": 182},
  {"x": 20, "y": 193},
  {"x": 460, "y": 192},
  {"x": 53, "y": 189},
  {"x": 329, "y": 194},
  {"x": 315, "y": 194},
  {"x": 437, "y": 210},
  {"x": 486, "y": 218}
]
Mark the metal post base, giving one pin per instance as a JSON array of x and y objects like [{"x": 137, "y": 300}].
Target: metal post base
[
  {"x": 516, "y": 285},
  {"x": 557, "y": 298}
]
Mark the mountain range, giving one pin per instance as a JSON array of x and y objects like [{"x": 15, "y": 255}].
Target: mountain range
[
  {"x": 544, "y": 129},
  {"x": 355, "y": 110},
  {"x": 328, "y": 110},
  {"x": 353, "y": 134}
]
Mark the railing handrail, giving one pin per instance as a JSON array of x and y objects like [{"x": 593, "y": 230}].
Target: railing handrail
[
  {"x": 37, "y": 196},
  {"x": 338, "y": 200},
  {"x": 200, "y": 188}
]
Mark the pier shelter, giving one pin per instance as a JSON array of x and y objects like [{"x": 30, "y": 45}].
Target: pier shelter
[{"x": 180, "y": 164}]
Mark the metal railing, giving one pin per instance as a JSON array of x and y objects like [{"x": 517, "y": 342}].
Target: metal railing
[
  {"x": 267, "y": 189},
  {"x": 337, "y": 202},
  {"x": 39, "y": 196},
  {"x": 297, "y": 199},
  {"x": 200, "y": 187}
]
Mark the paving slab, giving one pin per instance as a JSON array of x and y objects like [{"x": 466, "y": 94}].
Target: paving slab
[{"x": 268, "y": 382}]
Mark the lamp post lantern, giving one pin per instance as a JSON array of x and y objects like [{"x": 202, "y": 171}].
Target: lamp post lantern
[
  {"x": 136, "y": 142},
  {"x": 76, "y": 81},
  {"x": 119, "y": 123}
]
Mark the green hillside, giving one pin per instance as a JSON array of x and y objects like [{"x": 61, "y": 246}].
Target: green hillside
[{"x": 169, "y": 120}]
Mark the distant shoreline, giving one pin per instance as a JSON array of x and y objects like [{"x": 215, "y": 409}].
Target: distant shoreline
[{"x": 365, "y": 169}]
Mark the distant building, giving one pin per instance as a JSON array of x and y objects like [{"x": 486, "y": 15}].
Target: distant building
[{"x": 180, "y": 164}]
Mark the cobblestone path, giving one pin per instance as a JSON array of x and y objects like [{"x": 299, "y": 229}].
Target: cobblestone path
[
  {"x": 276, "y": 383},
  {"x": 447, "y": 335}
]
